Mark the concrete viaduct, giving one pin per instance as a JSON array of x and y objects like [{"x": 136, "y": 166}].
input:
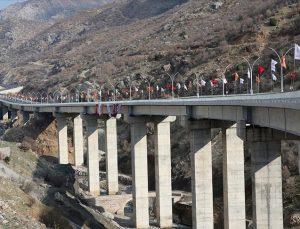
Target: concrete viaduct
[{"x": 260, "y": 120}]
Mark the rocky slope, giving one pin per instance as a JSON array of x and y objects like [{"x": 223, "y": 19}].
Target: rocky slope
[
  {"x": 44, "y": 10},
  {"x": 138, "y": 38}
]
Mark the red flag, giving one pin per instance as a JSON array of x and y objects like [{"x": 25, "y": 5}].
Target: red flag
[
  {"x": 261, "y": 69},
  {"x": 283, "y": 64},
  {"x": 214, "y": 82},
  {"x": 293, "y": 75}
]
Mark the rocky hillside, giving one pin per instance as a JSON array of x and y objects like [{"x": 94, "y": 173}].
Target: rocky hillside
[
  {"x": 42, "y": 10},
  {"x": 138, "y": 38}
]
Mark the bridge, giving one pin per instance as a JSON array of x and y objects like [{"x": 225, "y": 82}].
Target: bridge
[{"x": 261, "y": 120}]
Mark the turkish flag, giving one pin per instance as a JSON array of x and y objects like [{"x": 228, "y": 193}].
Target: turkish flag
[{"x": 261, "y": 69}]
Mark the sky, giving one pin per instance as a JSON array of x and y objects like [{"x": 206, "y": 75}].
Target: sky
[{"x": 5, "y": 3}]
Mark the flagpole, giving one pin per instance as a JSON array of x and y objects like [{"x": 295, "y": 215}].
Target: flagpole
[
  {"x": 251, "y": 73},
  {"x": 280, "y": 59},
  {"x": 197, "y": 81},
  {"x": 223, "y": 77},
  {"x": 172, "y": 80}
]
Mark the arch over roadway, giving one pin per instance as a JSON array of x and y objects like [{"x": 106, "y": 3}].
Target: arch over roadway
[{"x": 279, "y": 111}]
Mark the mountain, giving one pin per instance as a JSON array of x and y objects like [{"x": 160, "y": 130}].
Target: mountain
[
  {"x": 41, "y": 10},
  {"x": 139, "y": 37}
]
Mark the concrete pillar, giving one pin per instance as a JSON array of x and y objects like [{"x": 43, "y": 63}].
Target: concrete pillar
[
  {"x": 92, "y": 154},
  {"x": 5, "y": 113},
  {"x": 9, "y": 114},
  {"x": 63, "y": 151},
  {"x": 163, "y": 181},
  {"x": 202, "y": 187},
  {"x": 233, "y": 179},
  {"x": 266, "y": 179},
  {"x": 78, "y": 140},
  {"x": 25, "y": 116},
  {"x": 1, "y": 113},
  {"x": 13, "y": 114},
  {"x": 139, "y": 172},
  {"x": 111, "y": 156}
]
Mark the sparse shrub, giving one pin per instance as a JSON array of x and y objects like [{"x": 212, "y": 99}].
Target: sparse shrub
[
  {"x": 53, "y": 219},
  {"x": 27, "y": 186},
  {"x": 7, "y": 160},
  {"x": 273, "y": 22}
]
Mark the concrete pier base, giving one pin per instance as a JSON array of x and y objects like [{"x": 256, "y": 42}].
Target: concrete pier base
[
  {"x": 111, "y": 156},
  {"x": 139, "y": 172},
  {"x": 202, "y": 187},
  {"x": 4, "y": 113},
  {"x": 266, "y": 180},
  {"x": 163, "y": 172},
  {"x": 63, "y": 151},
  {"x": 92, "y": 154},
  {"x": 78, "y": 140},
  {"x": 233, "y": 179},
  {"x": 25, "y": 116}
]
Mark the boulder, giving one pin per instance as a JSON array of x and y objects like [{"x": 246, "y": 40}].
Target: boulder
[
  {"x": 4, "y": 152},
  {"x": 295, "y": 219}
]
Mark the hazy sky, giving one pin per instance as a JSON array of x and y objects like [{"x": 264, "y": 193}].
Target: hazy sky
[{"x": 5, "y": 3}]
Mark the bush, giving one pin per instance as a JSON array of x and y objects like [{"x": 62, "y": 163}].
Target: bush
[
  {"x": 273, "y": 22},
  {"x": 7, "y": 160}
]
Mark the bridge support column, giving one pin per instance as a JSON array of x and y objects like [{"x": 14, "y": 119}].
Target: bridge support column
[
  {"x": 139, "y": 172},
  {"x": 92, "y": 154},
  {"x": 78, "y": 140},
  {"x": 163, "y": 178},
  {"x": 266, "y": 179},
  {"x": 233, "y": 178},
  {"x": 202, "y": 187},
  {"x": 4, "y": 113},
  {"x": 111, "y": 156},
  {"x": 63, "y": 151},
  {"x": 13, "y": 114},
  {"x": 25, "y": 116}
]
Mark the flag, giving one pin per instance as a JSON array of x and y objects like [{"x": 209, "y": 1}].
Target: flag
[
  {"x": 248, "y": 74},
  {"x": 224, "y": 80},
  {"x": 236, "y": 77},
  {"x": 257, "y": 79},
  {"x": 202, "y": 83},
  {"x": 261, "y": 69},
  {"x": 273, "y": 65},
  {"x": 274, "y": 78},
  {"x": 293, "y": 75},
  {"x": 242, "y": 81},
  {"x": 214, "y": 83},
  {"x": 297, "y": 52},
  {"x": 283, "y": 64}
]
